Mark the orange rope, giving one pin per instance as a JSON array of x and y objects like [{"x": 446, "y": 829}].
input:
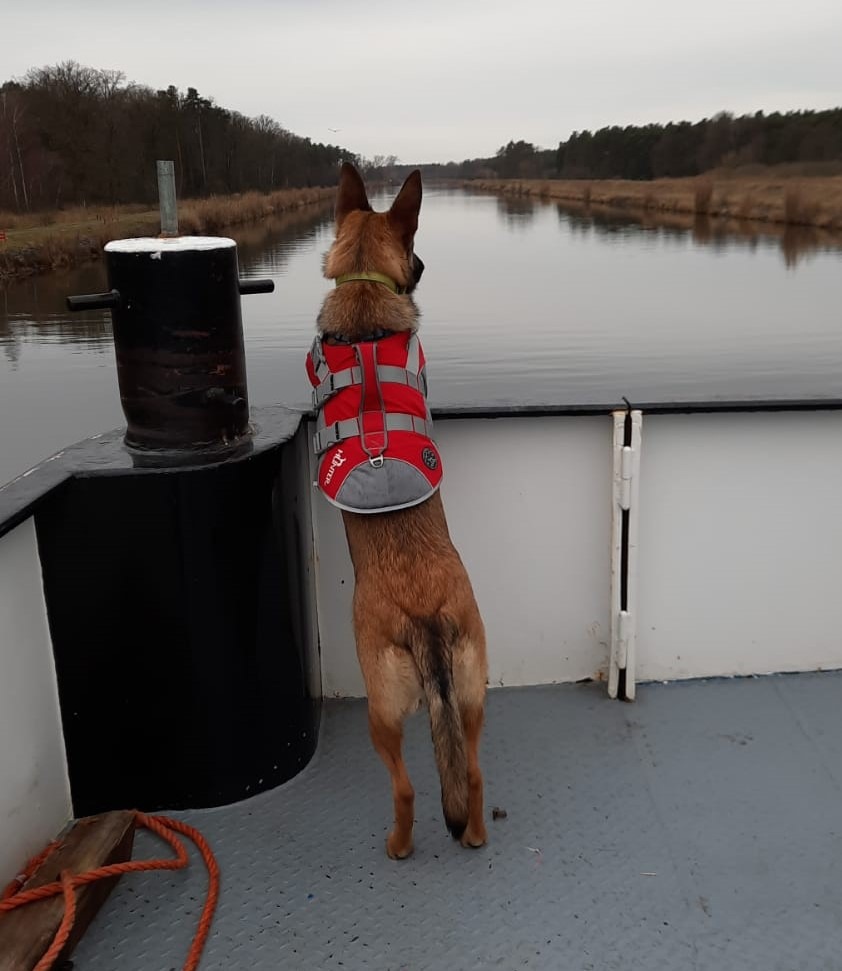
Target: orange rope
[
  {"x": 12, "y": 888},
  {"x": 163, "y": 827}
]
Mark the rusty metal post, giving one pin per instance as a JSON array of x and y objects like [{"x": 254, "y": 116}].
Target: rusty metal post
[{"x": 178, "y": 336}]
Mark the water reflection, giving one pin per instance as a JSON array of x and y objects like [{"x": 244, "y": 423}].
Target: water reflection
[
  {"x": 268, "y": 246},
  {"x": 34, "y": 311},
  {"x": 794, "y": 242},
  {"x": 523, "y": 302},
  {"x": 517, "y": 212},
  {"x": 58, "y": 380}
]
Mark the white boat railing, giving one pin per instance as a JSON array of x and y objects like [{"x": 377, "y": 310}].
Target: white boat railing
[{"x": 730, "y": 562}]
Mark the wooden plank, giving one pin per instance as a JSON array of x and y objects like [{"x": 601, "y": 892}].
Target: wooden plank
[{"x": 26, "y": 933}]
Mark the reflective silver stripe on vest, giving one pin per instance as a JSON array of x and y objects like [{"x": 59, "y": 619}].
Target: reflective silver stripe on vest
[
  {"x": 413, "y": 354},
  {"x": 317, "y": 357},
  {"x": 399, "y": 375},
  {"x": 329, "y": 435},
  {"x": 336, "y": 381}
]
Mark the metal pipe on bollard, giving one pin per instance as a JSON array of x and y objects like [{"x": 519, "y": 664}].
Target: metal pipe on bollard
[{"x": 166, "y": 198}]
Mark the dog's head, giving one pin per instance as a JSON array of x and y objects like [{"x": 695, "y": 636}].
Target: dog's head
[{"x": 376, "y": 242}]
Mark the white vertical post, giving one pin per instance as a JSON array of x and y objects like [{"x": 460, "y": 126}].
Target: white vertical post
[
  {"x": 624, "y": 533},
  {"x": 615, "y": 660},
  {"x": 631, "y": 555}
]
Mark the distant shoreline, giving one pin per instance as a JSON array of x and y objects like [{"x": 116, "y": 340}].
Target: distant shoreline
[
  {"x": 44, "y": 241},
  {"x": 790, "y": 201}
]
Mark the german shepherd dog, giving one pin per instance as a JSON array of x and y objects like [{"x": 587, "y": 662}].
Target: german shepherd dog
[{"x": 419, "y": 634}]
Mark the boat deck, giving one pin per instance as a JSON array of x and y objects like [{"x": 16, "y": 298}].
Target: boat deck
[{"x": 699, "y": 828}]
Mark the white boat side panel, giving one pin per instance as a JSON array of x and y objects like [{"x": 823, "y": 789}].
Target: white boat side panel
[
  {"x": 35, "y": 794},
  {"x": 334, "y": 589},
  {"x": 740, "y": 545},
  {"x": 529, "y": 508}
]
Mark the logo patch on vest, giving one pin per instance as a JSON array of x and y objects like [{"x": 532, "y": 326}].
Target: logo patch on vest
[
  {"x": 336, "y": 462},
  {"x": 430, "y": 459}
]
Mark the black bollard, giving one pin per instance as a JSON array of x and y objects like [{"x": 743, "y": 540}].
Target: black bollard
[
  {"x": 178, "y": 337},
  {"x": 194, "y": 677}
]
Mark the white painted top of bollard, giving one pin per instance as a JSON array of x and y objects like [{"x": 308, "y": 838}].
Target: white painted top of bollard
[{"x": 174, "y": 244}]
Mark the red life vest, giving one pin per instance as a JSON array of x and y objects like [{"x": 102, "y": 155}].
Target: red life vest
[{"x": 374, "y": 432}]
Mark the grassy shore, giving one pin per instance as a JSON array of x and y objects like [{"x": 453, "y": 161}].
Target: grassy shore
[
  {"x": 46, "y": 241},
  {"x": 792, "y": 201}
]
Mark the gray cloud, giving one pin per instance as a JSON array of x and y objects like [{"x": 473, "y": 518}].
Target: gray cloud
[{"x": 449, "y": 80}]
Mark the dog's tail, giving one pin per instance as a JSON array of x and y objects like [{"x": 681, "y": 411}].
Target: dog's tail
[{"x": 431, "y": 642}]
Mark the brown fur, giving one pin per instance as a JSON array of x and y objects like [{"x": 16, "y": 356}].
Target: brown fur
[{"x": 418, "y": 630}]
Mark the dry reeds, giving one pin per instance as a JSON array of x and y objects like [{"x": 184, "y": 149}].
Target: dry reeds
[
  {"x": 702, "y": 197},
  {"x": 37, "y": 242},
  {"x": 215, "y": 213},
  {"x": 72, "y": 216},
  {"x": 767, "y": 197},
  {"x": 800, "y": 211}
]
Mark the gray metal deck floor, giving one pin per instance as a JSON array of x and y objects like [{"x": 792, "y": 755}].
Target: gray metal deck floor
[{"x": 698, "y": 828}]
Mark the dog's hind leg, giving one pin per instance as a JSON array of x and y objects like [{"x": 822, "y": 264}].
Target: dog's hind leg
[
  {"x": 475, "y": 832},
  {"x": 470, "y": 674},
  {"x": 387, "y": 741},
  {"x": 394, "y": 691}
]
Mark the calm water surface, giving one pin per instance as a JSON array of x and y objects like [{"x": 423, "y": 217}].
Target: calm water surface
[{"x": 522, "y": 303}]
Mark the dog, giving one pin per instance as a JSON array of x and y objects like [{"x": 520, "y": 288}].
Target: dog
[{"x": 419, "y": 635}]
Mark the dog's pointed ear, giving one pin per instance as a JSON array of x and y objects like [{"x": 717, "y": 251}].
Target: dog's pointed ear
[
  {"x": 403, "y": 215},
  {"x": 351, "y": 194}
]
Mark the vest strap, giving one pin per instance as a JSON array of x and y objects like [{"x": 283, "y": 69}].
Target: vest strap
[
  {"x": 336, "y": 381},
  {"x": 317, "y": 356},
  {"x": 374, "y": 435},
  {"x": 329, "y": 435}
]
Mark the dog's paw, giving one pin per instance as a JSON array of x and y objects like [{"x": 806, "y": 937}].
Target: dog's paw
[
  {"x": 398, "y": 849},
  {"x": 474, "y": 838}
]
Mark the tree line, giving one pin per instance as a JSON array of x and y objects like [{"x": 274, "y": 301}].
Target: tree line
[
  {"x": 76, "y": 135},
  {"x": 686, "y": 148},
  {"x": 681, "y": 148}
]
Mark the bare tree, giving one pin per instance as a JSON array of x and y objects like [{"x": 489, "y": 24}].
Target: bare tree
[{"x": 71, "y": 133}]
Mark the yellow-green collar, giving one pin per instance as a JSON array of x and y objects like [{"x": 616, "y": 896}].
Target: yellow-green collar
[{"x": 370, "y": 277}]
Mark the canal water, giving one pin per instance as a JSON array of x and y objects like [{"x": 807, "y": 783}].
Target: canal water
[{"x": 523, "y": 303}]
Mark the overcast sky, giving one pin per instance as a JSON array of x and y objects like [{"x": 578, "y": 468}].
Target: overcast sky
[{"x": 434, "y": 80}]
